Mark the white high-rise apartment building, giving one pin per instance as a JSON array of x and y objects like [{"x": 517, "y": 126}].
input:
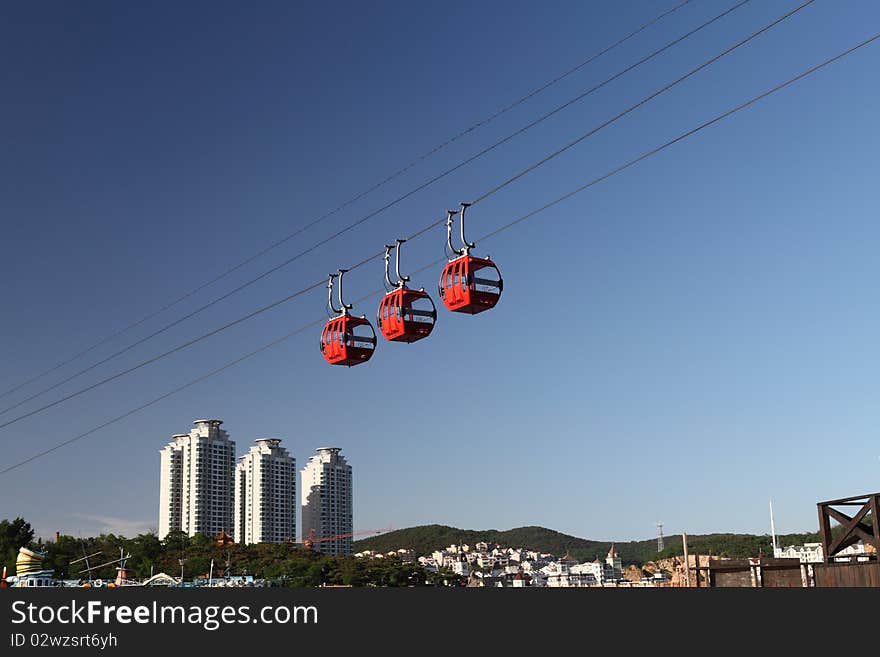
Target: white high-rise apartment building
[
  {"x": 326, "y": 500},
  {"x": 195, "y": 486},
  {"x": 265, "y": 494}
]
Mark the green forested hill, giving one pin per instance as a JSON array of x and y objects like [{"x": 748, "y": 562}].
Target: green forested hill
[{"x": 427, "y": 538}]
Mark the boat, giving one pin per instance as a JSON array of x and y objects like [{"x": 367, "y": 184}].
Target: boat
[{"x": 29, "y": 571}]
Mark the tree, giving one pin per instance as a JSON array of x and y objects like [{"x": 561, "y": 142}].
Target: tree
[
  {"x": 145, "y": 550},
  {"x": 13, "y": 535},
  {"x": 200, "y": 541},
  {"x": 176, "y": 540},
  {"x": 60, "y": 553}
]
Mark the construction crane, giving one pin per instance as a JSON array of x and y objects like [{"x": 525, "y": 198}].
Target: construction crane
[{"x": 310, "y": 541}]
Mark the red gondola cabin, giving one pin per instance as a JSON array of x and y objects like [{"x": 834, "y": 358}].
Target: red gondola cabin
[
  {"x": 463, "y": 291},
  {"x": 406, "y": 315},
  {"x": 348, "y": 340}
]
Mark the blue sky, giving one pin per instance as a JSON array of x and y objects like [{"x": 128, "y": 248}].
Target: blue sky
[{"x": 680, "y": 343}]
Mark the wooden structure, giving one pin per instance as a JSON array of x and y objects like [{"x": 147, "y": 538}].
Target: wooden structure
[
  {"x": 862, "y": 570},
  {"x": 696, "y": 570},
  {"x": 761, "y": 572},
  {"x": 861, "y": 574},
  {"x": 858, "y": 527}
]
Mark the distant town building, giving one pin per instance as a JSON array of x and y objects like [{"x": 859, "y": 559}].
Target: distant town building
[
  {"x": 812, "y": 553},
  {"x": 566, "y": 573},
  {"x": 616, "y": 564},
  {"x": 521, "y": 581},
  {"x": 494, "y": 559},
  {"x": 599, "y": 571},
  {"x": 491, "y": 565},
  {"x": 406, "y": 555},
  {"x": 327, "y": 500},
  {"x": 195, "y": 483},
  {"x": 265, "y": 494},
  {"x": 807, "y": 553},
  {"x": 461, "y": 567}
]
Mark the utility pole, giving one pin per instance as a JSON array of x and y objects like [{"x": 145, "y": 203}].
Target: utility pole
[
  {"x": 687, "y": 566},
  {"x": 772, "y": 529},
  {"x": 182, "y": 558}
]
